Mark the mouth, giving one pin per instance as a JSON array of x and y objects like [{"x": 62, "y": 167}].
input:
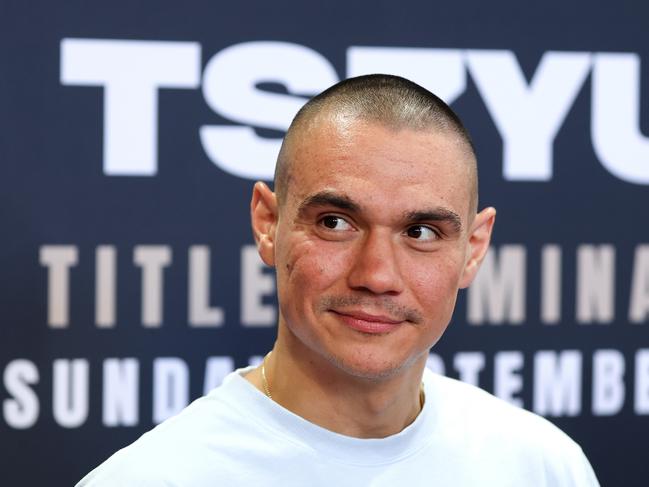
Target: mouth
[{"x": 368, "y": 323}]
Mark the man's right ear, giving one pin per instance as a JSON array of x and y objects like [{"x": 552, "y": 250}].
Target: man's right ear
[{"x": 264, "y": 216}]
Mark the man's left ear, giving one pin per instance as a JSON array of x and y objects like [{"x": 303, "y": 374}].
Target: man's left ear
[{"x": 478, "y": 244}]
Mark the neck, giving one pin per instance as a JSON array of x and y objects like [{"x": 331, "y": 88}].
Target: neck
[{"x": 313, "y": 388}]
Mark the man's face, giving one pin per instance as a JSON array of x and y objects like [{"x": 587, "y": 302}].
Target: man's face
[{"x": 371, "y": 244}]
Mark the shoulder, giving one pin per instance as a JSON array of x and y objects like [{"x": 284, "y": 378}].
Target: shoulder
[
  {"x": 481, "y": 411},
  {"x": 471, "y": 419},
  {"x": 177, "y": 450}
]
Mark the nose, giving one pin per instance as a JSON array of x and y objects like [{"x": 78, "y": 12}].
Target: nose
[{"x": 376, "y": 267}]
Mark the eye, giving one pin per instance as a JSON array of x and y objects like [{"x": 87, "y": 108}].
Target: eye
[
  {"x": 422, "y": 233},
  {"x": 335, "y": 223}
]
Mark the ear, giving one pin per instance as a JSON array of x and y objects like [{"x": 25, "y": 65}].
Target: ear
[
  {"x": 264, "y": 216},
  {"x": 478, "y": 244}
]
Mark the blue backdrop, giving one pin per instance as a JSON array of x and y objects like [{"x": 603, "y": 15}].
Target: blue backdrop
[{"x": 131, "y": 134}]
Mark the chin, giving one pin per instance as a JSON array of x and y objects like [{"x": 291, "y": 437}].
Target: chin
[{"x": 370, "y": 368}]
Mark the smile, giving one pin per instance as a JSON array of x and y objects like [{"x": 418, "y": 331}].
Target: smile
[{"x": 368, "y": 323}]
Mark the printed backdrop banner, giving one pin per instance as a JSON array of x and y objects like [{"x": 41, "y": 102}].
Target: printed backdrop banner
[{"x": 130, "y": 137}]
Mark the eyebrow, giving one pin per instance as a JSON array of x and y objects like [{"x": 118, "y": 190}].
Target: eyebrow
[
  {"x": 337, "y": 200},
  {"x": 328, "y": 198},
  {"x": 443, "y": 215}
]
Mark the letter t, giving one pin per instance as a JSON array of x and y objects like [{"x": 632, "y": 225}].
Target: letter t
[{"x": 131, "y": 72}]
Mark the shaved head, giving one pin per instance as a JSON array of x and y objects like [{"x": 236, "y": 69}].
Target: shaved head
[{"x": 390, "y": 101}]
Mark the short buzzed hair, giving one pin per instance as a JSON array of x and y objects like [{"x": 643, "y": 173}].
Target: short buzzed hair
[{"x": 388, "y": 100}]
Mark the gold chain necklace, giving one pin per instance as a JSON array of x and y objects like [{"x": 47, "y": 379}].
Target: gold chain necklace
[
  {"x": 422, "y": 394},
  {"x": 263, "y": 376}
]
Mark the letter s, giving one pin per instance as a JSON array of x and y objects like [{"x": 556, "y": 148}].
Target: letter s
[{"x": 230, "y": 88}]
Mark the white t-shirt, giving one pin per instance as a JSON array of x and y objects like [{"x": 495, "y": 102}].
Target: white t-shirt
[{"x": 236, "y": 436}]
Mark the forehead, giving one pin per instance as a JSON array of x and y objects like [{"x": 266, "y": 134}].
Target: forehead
[{"x": 397, "y": 169}]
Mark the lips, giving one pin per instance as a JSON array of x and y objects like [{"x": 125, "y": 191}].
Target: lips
[{"x": 368, "y": 323}]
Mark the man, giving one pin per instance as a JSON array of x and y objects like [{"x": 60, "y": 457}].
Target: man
[{"x": 372, "y": 229}]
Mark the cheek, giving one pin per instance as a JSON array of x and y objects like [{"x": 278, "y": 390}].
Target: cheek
[
  {"x": 435, "y": 283},
  {"x": 309, "y": 264},
  {"x": 307, "y": 272}
]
